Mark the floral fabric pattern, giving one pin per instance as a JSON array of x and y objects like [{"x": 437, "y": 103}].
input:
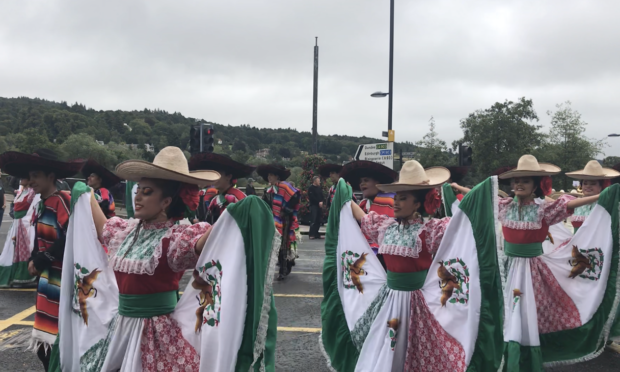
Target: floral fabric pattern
[
  {"x": 363, "y": 324},
  {"x": 142, "y": 256},
  {"x": 430, "y": 346},
  {"x": 403, "y": 240},
  {"x": 556, "y": 311},
  {"x": 164, "y": 348},
  {"x": 581, "y": 213},
  {"x": 530, "y": 216}
]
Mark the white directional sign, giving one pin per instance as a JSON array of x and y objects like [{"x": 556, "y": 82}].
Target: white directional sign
[{"x": 382, "y": 153}]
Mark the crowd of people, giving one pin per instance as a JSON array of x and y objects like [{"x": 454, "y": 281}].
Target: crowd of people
[{"x": 421, "y": 274}]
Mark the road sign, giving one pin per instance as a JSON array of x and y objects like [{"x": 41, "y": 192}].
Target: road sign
[{"x": 382, "y": 153}]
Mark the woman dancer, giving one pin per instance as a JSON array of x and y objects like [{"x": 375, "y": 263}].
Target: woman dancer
[
  {"x": 593, "y": 179},
  {"x": 101, "y": 180},
  {"x": 548, "y": 297},
  {"x": 149, "y": 255}
]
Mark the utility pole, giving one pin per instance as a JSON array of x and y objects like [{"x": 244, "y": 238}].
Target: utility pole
[
  {"x": 315, "y": 96},
  {"x": 391, "y": 88}
]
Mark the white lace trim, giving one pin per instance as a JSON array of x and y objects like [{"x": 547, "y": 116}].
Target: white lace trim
[
  {"x": 606, "y": 328},
  {"x": 139, "y": 267},
  {"x": 117, "y": 237},
  {"x": 521, "y": 225},
  {"x": 327, "y": 360},
  {"x": 574, "y": 218},
  {"x": 399, "y": 250},
  {"x": 263, "y": 324}
]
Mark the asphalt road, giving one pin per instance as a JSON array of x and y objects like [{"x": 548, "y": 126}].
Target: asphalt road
[{"x": 298, "y": 301}]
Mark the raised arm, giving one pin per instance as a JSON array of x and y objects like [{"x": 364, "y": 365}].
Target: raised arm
[
  {"x": 357, "y": 211},
  {"x": 464, "y": 190},
  {"x": 576, "y": 203},
  {"x": 98, "y": 216}
]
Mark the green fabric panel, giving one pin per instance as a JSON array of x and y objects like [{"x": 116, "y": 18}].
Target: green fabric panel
[
  {"x": 406, "y": 281},
  {"x": 129, "y": 198},
  {"x": 579, "y": 342},
  {"x": 78, "y": 189},
  {"x": 522, "y": 358},
  {"x": 523, "y": 250},
  {"x": 575, "y": 229},
  {"x": 255, "y": 221},
  {"x": 478, "y": 206},
  {"x": 448, "y": 197},
  {"x": 147, "y": 305},
  {"x": 17, "y": 273},
  {"x": 335, "y": 334},
  {"x": 54, "y": 365},
  {"x": 18, "y": 215}
]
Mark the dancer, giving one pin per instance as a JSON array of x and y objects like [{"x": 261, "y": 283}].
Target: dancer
[
  {"x": 283, "y": 199},
  {"x": 43, "y": 169},
  {"x": 593, "y": 179},
  {"x": 226, "y": 192},
  {"x": 331, "y": 172},
  {"x": 20, "y": 239},
  {"x": 101, "y": 180},
  {"x": 405, "y": 321},
  {"x": 551, "y": 300},
  {"x": 365, "y": 176}
]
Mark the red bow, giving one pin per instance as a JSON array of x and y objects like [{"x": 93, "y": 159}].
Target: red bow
[
  {"x": 432, "y": 201},
  {"x": 189, "y": 195},
  {"x": 546, "y": 185}
]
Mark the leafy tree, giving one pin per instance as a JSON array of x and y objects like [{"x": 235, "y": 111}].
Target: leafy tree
[
  {"x": 568, "y": 148},
  {"x": 79, "y": 146},
  {"x": 238, "y": 145},
  {"x": 432, "y": 151},
  {"x": 285, "y": 152},
  {"x": 500, "y": 134},
  {"x": 611, "y": 161}
]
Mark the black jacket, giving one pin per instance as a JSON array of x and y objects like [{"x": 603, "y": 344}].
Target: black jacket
[
  {"x": 315, "y": 194},
  {"x": 249, "y": 190}
]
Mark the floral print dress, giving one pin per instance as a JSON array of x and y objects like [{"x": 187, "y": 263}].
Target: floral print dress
[{"x": 149, "y": 259}]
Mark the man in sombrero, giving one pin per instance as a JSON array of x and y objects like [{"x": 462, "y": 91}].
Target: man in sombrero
[
  {"x": 43, "y": 168},
  {"x": 283, "y": 199},
  {"x": 365, "y": 176},
  {"x": 332, "y": 172},
  {"x": 101, "y": 180},
  {"x": 227, "y": 193}
]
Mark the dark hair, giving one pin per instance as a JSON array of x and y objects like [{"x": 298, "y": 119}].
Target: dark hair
[
  {"x": 420, "y": 196},
  {"x": 171, "y": 189},
  {"x": 538, "y": 190}
]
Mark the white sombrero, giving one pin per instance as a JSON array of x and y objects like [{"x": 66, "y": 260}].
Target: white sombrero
[
  {"x": 169, "y": 164},
  {"x": 414, "y": 177},
  {"x": 594, "y": 171},
  {"x": 528, "y": 166}
]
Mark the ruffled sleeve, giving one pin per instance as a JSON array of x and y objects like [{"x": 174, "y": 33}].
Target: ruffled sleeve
[
  {"x": 374, "y": 226},
  {"x": 181, "y": 254},
  {"x": 557, "y": 211},
  {"x": 115, "y": 231},
  {"x": 433, "y": 232}
]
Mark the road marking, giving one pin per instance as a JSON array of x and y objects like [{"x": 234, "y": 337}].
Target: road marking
[
  {"x": 311, "y": 250},
  {"x": 299, "y": 329},
  {"x": 4, "y": 324},
  {"x": 18, "y": 289},
  {"x": 308, "y": 259},
  {"x": 297, "y": 295},
  {"x": 19, "y": 338},
  {"x": 305, "y": 272}
]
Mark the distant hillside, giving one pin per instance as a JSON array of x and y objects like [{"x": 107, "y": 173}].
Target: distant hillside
[{"x": 29, "y": 123}]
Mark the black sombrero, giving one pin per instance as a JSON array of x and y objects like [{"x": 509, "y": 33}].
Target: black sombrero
[
  {"x": 457, "y": 173},
  {"x": 352, "y": 172},
  {"x": 108, "y": 178},
  {"x": 277, "y": 169},
  {"x": 19, "y": 164},
  {"x": 220, "y": 163},
  {"x": 326, "y": 169}
]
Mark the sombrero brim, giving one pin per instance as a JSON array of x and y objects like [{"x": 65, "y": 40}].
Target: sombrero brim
[
  {"x": 437, "y": 176},
  {"x": 135, "y": 170},
  {"x": 18, "y": 164},
  {"x": 326, "y": 169},
  {"x": 546, "y": 169},
  {"x": 352, "y": 173},
  {"x": 580, "y": 175},
  {"x": 108, "y": 178},
  {"x": 219, "y": 163},
  {"x": 264, "y": 170}
]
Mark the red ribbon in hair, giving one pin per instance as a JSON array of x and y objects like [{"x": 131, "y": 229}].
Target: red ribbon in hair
[
  {"x": 546, "y": 185},
  {"x": 432, "y": 201},
  {"x": 189, "y": 195}
]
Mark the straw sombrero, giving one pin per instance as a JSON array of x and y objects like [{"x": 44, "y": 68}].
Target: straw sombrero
[
  {"x": 326, "y": 169},
  {"x": 528, "y": 166},
  {"x": 169, "y": 164},
  {"x": 19, "y": 164},
  {"x": 108, "y": 179},
  {"x": 414, "y": 177},
  {"x": 594, "y": 171},
  {"x": 220, "y": 163}
]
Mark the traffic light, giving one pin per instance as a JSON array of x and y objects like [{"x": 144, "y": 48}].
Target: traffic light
[
  {"x": 466, "y": 154},
  {"x": 194, "y": 139},
  {"x": 207, "y": 138}
]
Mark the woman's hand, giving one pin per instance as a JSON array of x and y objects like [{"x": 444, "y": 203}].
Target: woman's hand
[
  {"x": 462, "y": 189},
  {"x": 200, "y": 244},
  {"x": 31, "y": 269}
]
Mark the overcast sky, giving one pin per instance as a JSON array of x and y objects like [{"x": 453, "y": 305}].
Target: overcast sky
[{"x": 250, "y": 61}]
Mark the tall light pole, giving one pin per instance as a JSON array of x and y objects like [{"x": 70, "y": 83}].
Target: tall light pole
[
  {"x": 315, "y": 96},
  {"x": 390, "y": 93}
]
